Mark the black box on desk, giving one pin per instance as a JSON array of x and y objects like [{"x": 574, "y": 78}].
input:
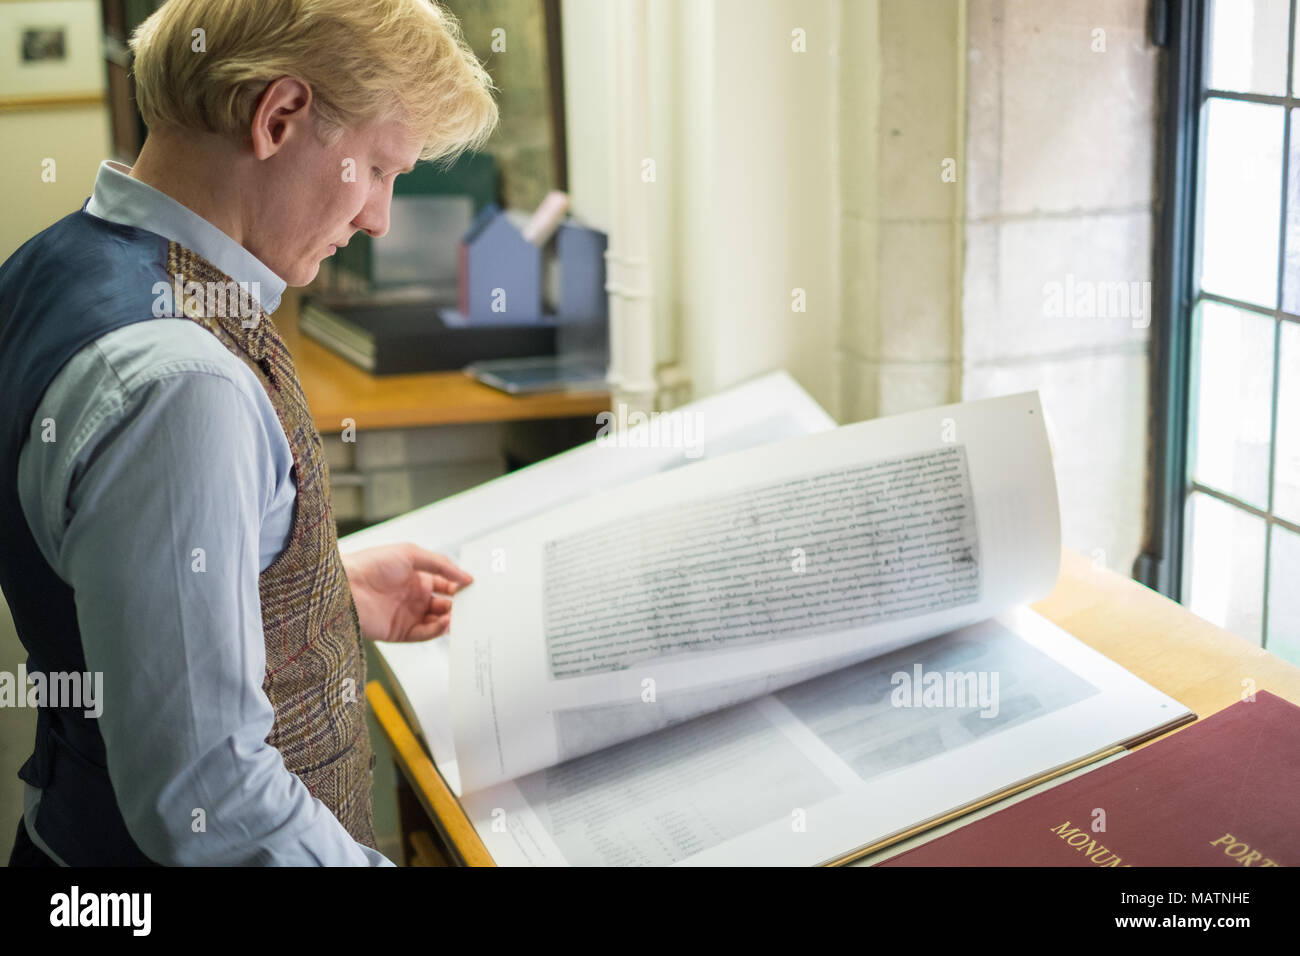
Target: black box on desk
[{"x": 392, "y": 337}]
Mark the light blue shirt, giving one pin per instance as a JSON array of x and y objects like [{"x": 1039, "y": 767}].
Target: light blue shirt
[{"x": 165, "y": 443}]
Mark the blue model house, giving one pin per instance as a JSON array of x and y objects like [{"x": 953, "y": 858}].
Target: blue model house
[{"x": 500, "y": 271}]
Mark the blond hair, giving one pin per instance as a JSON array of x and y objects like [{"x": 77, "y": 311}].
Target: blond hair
[{"x": 365, "y": 60}]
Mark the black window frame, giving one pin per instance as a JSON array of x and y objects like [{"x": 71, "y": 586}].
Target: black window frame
[
  {"x": 1181, "y": 27},
  {"x": 1178, "y": 26}
]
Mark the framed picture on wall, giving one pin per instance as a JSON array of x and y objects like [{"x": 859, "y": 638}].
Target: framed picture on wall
[{"x": 51, "y": 53}]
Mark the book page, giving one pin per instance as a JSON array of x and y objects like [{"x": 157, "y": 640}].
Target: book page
[
  {"x": 845, "y": 760},
  {"x": 767, "y": 409},
  {"x": 749, "y": 571}
]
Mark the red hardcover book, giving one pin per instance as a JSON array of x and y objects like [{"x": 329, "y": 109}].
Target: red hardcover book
[{"x": 1225, "y": 791}]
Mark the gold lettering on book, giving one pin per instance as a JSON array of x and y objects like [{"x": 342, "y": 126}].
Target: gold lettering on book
[
  {"x": 1096, "y": 853},
  {"x": 1241, "y": 852}
]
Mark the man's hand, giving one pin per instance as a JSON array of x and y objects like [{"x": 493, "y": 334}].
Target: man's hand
[{"x": 402, "y": 591}]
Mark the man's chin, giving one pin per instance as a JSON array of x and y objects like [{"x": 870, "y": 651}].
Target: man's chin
[{"x": 302, "y": 274}]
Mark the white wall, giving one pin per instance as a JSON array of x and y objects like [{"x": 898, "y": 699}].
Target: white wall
[
  {"x": 588, "y": 47},
  {"x": 1062, "y": 131},
  {"x": 76, "y": 138},
  {"x": 742, "y": 209},
  {"x": 901, "y": 112},
  {"x": 766, "y": 224}
]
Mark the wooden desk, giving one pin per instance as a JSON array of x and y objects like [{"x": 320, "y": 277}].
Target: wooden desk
[
  {"x": 1201, "y": 666},
  {"x": 336, "y": 389},
  {"x": 1196, "y": 663}
]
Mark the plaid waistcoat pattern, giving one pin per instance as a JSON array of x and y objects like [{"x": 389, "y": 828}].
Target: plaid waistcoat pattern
[{"x": 315, "y": 658}]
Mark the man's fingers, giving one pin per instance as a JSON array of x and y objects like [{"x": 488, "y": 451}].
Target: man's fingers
[
  {"x": 442, "y": 586},
  {"x": 425, "y": 560},
  {"x": 436, "y": 627}
]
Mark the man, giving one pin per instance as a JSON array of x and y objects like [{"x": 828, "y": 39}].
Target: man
[{"x": 164, "y": 504}]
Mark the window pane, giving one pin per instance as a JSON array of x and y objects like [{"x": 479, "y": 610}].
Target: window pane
[
  {"x": 1286, "y": 483},
  {"x": 1232, "y": 394},
  {"x": 1224, "y": 565},
  {"x": 1248, "y": 46},
  {"x": 1291, "y": 265},
  {"x": 1295, "y": 73},
  {"x": 1241, "y": 200},
  {"x": 1284, "y": 596}
]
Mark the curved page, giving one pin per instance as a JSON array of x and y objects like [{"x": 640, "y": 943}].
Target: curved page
[
  {"x": 689, "y": 591},
  {"x": 768, "y": 408}
]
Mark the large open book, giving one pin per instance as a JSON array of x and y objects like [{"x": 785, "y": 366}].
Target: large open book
[{"x": 739, "y": 634}]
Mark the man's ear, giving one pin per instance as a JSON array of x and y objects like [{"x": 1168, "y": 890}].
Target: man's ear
[{"x": 283, "y": 111}]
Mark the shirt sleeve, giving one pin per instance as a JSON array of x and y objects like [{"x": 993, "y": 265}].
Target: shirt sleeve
[{"x": 161, "y": 550}]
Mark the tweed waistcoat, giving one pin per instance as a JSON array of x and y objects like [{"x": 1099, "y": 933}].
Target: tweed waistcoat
[{"x": 315, "y": 659}]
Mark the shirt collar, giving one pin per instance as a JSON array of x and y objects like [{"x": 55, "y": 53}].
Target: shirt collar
[{"x": 129, "y": 202}]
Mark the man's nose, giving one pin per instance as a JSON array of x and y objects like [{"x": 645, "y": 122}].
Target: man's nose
[{"x": 373, "y": 217}]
